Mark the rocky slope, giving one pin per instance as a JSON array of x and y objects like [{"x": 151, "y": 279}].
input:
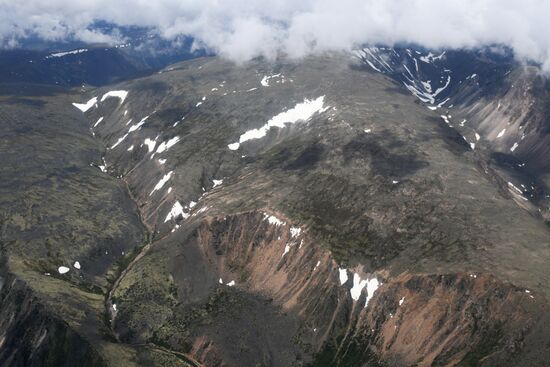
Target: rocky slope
[
  {"x": 309, "y": 213},
  {"x": 499, "y": 106},
  {"x": 67, "y": 230}
]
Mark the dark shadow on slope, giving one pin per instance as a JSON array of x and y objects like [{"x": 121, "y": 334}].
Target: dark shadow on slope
[
  {"x": 387, "y": 155},
  {"x": 453, "y": 140},
  {"x": 294, "y": 154}
]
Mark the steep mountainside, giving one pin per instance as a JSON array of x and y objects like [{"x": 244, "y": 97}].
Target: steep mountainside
[
  {"x": 310, "y": 213},
  {"x": 497, "y": 104}
]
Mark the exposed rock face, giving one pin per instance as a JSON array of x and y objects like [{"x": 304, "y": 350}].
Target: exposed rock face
[
  {"x": 421, "y": 319},
  {"x": 251, "y": 274},
  {"x": 309, "y": 213},
  {"x": 455, "y": 319}
]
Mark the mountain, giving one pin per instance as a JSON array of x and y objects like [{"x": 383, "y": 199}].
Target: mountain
[
  {"x": 498, "y": 105},
  {"x": 77, "y": 63},
  {"x": 331, "y": 211}
]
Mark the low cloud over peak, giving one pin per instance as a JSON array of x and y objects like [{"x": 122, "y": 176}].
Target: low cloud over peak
[{"x": 243, "y": 29}]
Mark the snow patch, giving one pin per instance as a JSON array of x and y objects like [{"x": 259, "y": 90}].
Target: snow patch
[
  {"x": 138, "y": 125},
  {"x": 86, "y": 106},
  {"x": 424, "y": 91},
  {"x": 372, "y": 286},
  {"x": 295, "y": 231},
  {"x": 122, "y": 94},
  {"x": 372, "y": 66},
  {"x": 317, "y": 265},
  {"x": 358, "y": 286},
  {"x": 150, "y": 144},
  {"x": 431, "y": 57},
  {"x": 162, "y": 181},
  {"x": 287, "y": 249},
  {"x": 103, "y": 167},
  {"x": 300, "y": 112},
  {"x": 120, "y": 140},
  {"x": 176, "y": 211},
  {"x": 265, "y": 80},
  {"x": 515, "y": 188},
  {"x": 61, "y": 54},
  {"x": 165, "y": 145},
  {"x": 273, "y": 220},
  {"x": 343, "y": 276}
]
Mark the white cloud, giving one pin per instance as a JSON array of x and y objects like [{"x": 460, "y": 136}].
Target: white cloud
[
  {"x": 94, "y": 36},
  {"x": 242, "y": 29}
]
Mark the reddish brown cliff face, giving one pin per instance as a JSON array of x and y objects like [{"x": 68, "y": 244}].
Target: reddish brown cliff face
[
  {"x": 455, "y": 319},
  {"x": 411, "y": 319}
]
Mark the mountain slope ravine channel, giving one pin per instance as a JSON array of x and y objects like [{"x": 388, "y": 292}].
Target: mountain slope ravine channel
[{"x": 110, "y": 310}]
